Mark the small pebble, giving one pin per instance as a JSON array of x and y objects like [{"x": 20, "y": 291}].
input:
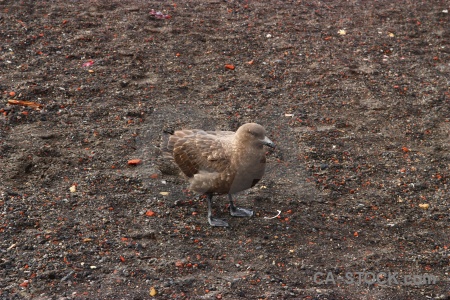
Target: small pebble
[
  {"x": 323, "y": 166},
  {"x": 424, "y": 206}
]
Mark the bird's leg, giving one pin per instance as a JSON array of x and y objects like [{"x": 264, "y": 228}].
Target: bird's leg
[
  {"x": 213, "y": 221},
  {"x": 237, "y": 211}
]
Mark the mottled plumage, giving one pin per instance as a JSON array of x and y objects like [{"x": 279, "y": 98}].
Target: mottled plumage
[{"x": 219, "y": 162}]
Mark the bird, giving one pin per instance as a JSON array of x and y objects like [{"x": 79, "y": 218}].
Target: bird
[{"x": 219, "y": 162}]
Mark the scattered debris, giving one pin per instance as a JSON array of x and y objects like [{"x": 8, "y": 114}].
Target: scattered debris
[
  {"x": 11, "y": 247},
  {"x": 153, "y": 292},
  {"x": 159, "y": 15},
  {"x": 150, "y": 213},
  {"x": 134, "y": 162},
  {"x": 229, "y": 67},
  {"x": 25, "y": 103},
  {"x": 88, "y": 64},
  {"x": 424, "y": 206},
  {"x": 67, "y": 277},
  {"x": 278, "y": 213}
]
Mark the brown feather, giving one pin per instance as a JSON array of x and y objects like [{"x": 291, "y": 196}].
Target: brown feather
[{"x": 219, "y": 162}]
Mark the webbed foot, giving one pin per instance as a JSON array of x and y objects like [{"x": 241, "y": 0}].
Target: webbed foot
[
  {"x": 213, "y": 221},
  {"x": 240, "y": 212},
  {"x": 216, "y": 222}
]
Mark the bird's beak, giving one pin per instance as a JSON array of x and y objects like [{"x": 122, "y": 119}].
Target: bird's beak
[{"x": 268, "y": 142}]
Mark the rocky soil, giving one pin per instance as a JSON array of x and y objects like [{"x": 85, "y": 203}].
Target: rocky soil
[{"x": 354, "y": 93}]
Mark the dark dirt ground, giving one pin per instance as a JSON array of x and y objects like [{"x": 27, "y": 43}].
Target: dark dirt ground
[{"x": 360, "y": 175}]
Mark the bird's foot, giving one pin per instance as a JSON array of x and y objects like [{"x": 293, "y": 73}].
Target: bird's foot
[
  {"x": 240, "y": 212},
  {"x": 216, "y": 222}
]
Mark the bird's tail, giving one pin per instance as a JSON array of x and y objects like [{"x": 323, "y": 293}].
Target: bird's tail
[{"x": 165, "y": 149}]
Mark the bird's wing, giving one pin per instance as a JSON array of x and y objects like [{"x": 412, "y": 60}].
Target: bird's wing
[{"x": 196, "y": 151}]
